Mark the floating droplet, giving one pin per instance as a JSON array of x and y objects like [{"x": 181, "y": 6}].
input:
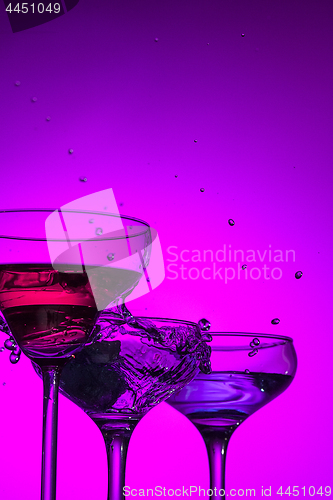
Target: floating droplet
[
  {"x": 253, "y": 353},
  {"x": 275, "y": 321},
  {"x": 231, "y": 222},
  {"x": 202, "y": 190},
  {"x": 195, "y": 140},
  {"x": 298, "y": 275},
  {"x": 243, "y": 34},
  {"x": 256, "y": 341},
  {"x": 34, "y": 99},
  {"x": 14, "y": 358},
  {"x": 4, "y": 383},
  {"x": 91, "y": 221},
  {"x": 10, "y": 344},
  {"x": 99, "y": 231},
  {"x": 83, "y": 179},
  {"x": 262, "y": 389},
  {"x": 17, "y": 350},
  {"x": 155, "y": 39},
  {"x": 207, "y": 43},
  {"x": 48, "y": 118},
  {"x": 204, "y": 325},
  {"x": 247, "y": 371},
  {"x": 71, "y": 151},
  {"x": 17, "y": 83},
  {"x": 244, "y": 266},
  {"x": 176, "y": 176},
  {"x": 2, "y": 349},
  {"x": 110, "y": 256}
]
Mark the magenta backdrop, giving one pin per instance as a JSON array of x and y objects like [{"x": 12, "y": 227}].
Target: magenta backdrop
[{"x": 260, "y": 109}]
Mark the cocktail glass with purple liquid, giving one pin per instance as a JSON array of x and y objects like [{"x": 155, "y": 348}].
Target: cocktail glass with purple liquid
[
  {"x": 248, "y": 371},
  {"x": 131, "y": 368}
]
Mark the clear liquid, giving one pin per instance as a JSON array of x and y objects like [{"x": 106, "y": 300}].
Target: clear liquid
[
  {"x": 125, "y": 377},
  {"x": 51, "y": 313},
  {"x": 225, "y": 399}
]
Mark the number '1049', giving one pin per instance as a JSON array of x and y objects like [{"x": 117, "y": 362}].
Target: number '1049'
[{"x": 38, "y": 8}]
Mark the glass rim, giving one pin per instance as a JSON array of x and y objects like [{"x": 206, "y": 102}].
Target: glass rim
[{"x": 88, "y": 212}]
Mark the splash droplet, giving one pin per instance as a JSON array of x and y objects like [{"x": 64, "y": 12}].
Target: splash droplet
[
  {"x": 99, "y": 231},
  {"x": 231, "y": 222},
  {"x": 256, "y": 341},
  {"x": 14, "y": 358},
  {"x": 244, "y": 266},
  {"x": 34, "y": 99},
  {"x": 253, "y": 353},
  {"x": 204, "y": 325},
  {"x": 48, "y": 118},
  {"x": 10, "y": 344},
  {"x": 110, "y": 256},
  {"x": 298, "y": 275},
  {"x": 71, "y": 151},
  {"x": 155, "y": 39},
  {"x": 275, "y": 321},
  {"x": 202, "y": 190},
  {"x": 83, "y": 179},
  {"x": 247, "y": 371},
  {"x": 243, "y": 34},
  {"x": 17, "y": 83}
]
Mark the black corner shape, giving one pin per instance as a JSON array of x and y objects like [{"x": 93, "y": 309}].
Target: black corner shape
[{"x": 25, "y": 15}]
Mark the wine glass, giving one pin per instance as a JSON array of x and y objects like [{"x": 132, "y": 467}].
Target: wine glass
[
  {"x": 248, "y": 371},
  {"x": 131, "y": 368},
  {"x": 57, "y": 272}
]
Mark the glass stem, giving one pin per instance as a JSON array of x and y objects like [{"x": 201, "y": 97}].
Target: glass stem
[
  {"x": 51, "y": 377},
  {"x": 116, "y": 448},
  {"x": 216, "y": 444}
]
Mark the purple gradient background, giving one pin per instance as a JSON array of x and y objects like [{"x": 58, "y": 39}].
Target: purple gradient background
[{"x": 260, "y": 108}]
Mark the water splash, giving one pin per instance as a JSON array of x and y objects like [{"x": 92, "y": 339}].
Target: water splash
[
  {"x": 275, "y": 321},
  {"x": 204, "y": 324},
  {"x": 231, "y": 222}
]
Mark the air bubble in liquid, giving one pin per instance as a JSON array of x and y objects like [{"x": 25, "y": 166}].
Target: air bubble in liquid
[
  {"x": 202, "y": 190},
  {"x": 298, "y": 275},
  {"x": 204, "y": 325},
  {"x": 275, "y": 321},
  {"x": 195, "y": 140},
  {"x": 243, "y": 34},
  {"x": 231, "y": 222},
  {"x": 256, "y": 341}
]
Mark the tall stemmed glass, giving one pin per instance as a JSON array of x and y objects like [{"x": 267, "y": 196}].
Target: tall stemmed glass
[
  {"x": 248, "y": 371},
  {"x": 129, "y": 370},
  {"x": 57, "y": 271}
]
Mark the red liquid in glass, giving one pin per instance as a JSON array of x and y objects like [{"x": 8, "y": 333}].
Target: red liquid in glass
[{"x": 51, "y": 313}]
